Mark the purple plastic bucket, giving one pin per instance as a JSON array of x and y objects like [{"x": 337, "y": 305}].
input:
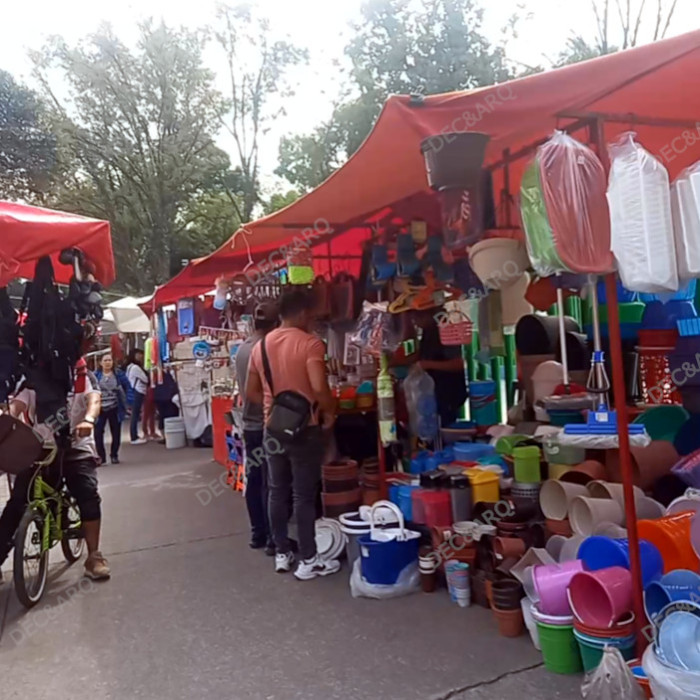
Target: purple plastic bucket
[{"x": 552, "y": 582}]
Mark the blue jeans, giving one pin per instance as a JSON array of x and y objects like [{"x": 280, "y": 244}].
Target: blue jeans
[{"x": 136, "y": 415}]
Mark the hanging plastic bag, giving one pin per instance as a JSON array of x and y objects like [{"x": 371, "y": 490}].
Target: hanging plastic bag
[
  {"x": 538, "y": 231},
  {"x": 407, "y": 583},
  {"x": 419, "y": 389},
  {"x": 612, "y": 680},
  {"x": 375, "y": 331},
  {"x": 574, "y": 184},
  {"x": 641, "y": 227},
  {"x": 685, "y": 212}
]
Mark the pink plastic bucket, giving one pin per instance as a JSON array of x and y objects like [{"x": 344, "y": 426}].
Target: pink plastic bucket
[
  {"x": 551, "y": 584},
  {"x": 601, "y": 598}
]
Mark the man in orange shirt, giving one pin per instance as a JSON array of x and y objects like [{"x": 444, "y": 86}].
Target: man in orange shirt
[{"x": 297, "y": 363}]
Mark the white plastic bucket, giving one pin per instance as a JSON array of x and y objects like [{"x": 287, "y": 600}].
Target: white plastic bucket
[{"x": 174, "y": 430}]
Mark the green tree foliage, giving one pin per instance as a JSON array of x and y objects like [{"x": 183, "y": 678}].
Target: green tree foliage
[
  {"x": 280, "y": 200},
  {"x": 27, "y": 145},
  {"x": 399, "y": 47},
  {"x": 137, "y": 135},
  {"x": 257, "y": 76}
]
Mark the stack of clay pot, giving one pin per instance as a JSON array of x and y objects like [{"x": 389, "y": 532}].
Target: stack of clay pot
[
  {"x": 370, "y": 481},
  {"x": 505, "y": 602},
  {"x": 341, "y": 487}
]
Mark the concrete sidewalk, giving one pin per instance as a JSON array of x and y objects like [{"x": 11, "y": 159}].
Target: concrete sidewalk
[{"x": 191, "y": 613}]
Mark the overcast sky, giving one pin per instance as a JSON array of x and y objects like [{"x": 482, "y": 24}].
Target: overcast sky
[{"x": 320, "y": 25}]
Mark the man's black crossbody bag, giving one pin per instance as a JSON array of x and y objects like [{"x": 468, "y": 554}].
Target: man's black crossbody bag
[{"x": 290, "y": 413}]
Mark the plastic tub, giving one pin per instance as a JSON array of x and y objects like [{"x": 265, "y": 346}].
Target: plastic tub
[
  {"x": 527, "y": 464},
  {"x": 174, "y": 431},
  {"x": 681, "y": 584},
  {"x": 560, "y": 650},
  {"x": 530, "y": 624},
  {"x": 601, "y": 598},
  {"x": 563, "y": 454},
  {"x": 485, "y": 485},
  {"x": 603, "y": 552},
  {"x": 437, "y": 508},
  {"x": 482, "y": 401},
  {"x": 405, "y": 500},
  {"x": 551, "y": 584},
  {"x": 472, "y": 451},
  {"x": 592, "y": 649}
]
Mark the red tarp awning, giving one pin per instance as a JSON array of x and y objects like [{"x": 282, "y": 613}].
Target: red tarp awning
[
  {"x": 29, "y": 233},
  {"x": 654, "y": 81}
]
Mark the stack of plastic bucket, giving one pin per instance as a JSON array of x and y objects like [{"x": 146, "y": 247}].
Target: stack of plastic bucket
[{"x": 560, "y": 651}]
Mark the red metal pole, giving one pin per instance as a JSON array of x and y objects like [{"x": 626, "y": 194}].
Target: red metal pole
[{"x": 619, "y": 389}]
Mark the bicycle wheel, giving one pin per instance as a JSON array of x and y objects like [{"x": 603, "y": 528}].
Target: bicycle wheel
[
  {"x": 72, "y": 542},
  {"x": 31, "y": 561}
]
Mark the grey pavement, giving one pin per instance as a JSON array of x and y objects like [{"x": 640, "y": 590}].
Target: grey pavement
[{"x": 191, "y": 613}]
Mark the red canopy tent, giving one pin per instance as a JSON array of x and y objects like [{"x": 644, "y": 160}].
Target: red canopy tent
[
  {"x": 29, "y": 233},
  {"x": 650, "y": 89}
]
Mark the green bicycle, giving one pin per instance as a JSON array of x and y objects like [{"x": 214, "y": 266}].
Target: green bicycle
[{"x": 51, "y": 516}]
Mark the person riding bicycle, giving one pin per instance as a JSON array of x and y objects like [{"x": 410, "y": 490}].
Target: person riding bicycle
[{"x": 79, "y": 467}]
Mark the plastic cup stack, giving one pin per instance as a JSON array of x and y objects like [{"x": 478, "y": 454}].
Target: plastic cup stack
[{"x": 457, "y": 574}]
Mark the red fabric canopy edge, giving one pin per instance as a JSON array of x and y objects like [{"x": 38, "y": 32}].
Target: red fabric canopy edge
[{"x": 28, "y": 233}]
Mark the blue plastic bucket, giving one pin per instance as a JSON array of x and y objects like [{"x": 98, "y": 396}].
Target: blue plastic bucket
[
  {"x": 624, "y": 295},
  {"x": 674, "y": 586},
  {"x": 686, "y": 293},
  {"x": 382, "y": 562},
  {"x": 600, "y": 552},
  {"x": 482, "y": 401}
]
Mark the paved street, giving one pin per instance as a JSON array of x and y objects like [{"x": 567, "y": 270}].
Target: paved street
[{"x": 191, "y": 613}]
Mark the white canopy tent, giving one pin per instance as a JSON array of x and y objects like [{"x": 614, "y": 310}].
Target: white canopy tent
[{"x": 127, "y": 316}]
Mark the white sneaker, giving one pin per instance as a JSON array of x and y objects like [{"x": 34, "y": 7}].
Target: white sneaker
[
  {"x": 283, "y": 562},
  {"x": 311, "y": 568},
  {"x": 140, "y": 441}
]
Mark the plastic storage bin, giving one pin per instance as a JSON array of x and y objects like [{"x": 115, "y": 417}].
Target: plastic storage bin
[{"x": 642, "y": 234}]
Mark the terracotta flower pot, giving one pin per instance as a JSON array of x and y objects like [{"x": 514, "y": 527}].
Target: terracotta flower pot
[
  {"x": 342, "y": 497},
  {"x": 559, "y": 527},
  {"x": 505, "y": 547},
  {"x": 510, "y": 622},
  {"x": 590, "y": 470},
  {"x": 648, "y": 463}
]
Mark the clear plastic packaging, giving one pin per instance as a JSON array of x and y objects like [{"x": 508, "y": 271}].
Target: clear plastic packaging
[
  {"x": 667, "y": 682},
  {"x": 612, "y": 680},
  {"x": 419, "y": 388},
  {"x": 685, "y": 209},
  {"x": 641, "y": 227},
  {"x": 574, "y": 184},
  {"x": 375, "y": 332},
  {"x": 538, "y": 232},
  {"x": 407, "y": 583}
]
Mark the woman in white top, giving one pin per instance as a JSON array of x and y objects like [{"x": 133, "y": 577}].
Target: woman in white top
[{"x": 138, "y": 380}]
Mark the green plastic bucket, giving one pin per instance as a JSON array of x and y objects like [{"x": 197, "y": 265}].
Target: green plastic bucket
[
  {"x": 592, "y": 652},
  {"x": 560, "y": 650}
]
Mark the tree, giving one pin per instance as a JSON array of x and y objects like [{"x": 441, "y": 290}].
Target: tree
[
  {"x": 27, "y": 145},
  {"x": 400, "y": 46},
  {"x": 280, "y": 200},
  {"x": 257, "y": 68},
  {"x": 620, "y": 24},
  {"x": 138, "y": 124}
]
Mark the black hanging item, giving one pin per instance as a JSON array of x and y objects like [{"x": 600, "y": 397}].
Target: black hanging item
[
  {"x": 52, "y": 340},
  {"x": 9, "y": 347}
]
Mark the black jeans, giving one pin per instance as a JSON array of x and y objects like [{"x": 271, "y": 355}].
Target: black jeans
[
  {"x": 136, "y": 415},
  {"x": 295, "y": 469},
  {"x": 115, "y": 428},
  {"x": 256, "y": 494},
  {"x": 81, "y": 480}
]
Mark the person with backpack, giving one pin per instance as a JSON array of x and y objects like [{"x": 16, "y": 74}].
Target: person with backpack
[
  {"x": 138, "y": 380},
  {"x": 114, "y": 387},
  {"x": 287, "y": 374}
]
